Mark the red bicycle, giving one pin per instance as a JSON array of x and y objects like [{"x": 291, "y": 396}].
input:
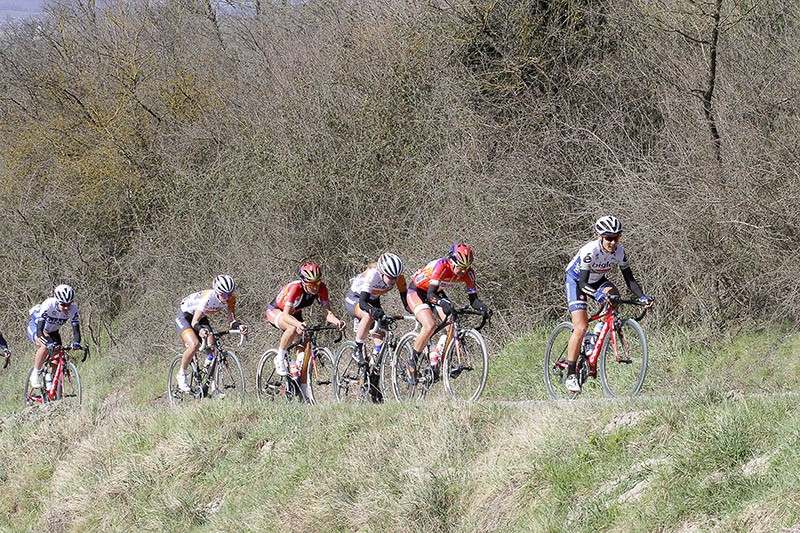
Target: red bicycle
[
  {"x": 616, "y": 349},
  {"x": 61, "y": 381}
]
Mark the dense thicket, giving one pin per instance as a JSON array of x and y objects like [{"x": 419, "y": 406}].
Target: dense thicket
[{"x": 147, "y": 146}]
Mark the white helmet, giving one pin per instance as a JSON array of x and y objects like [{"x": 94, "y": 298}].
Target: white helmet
[
  {"x": 64, "y": 294},
  {"x": 224, "y": 283},
  {"x": 608, "y": 225},
  {"x": 390, "y": 265}
]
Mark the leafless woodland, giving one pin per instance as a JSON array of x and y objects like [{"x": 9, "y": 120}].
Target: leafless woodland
[{"x": 148, "y": 145}]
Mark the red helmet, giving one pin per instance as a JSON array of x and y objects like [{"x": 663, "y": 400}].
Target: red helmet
[
  {"x": 461, "y": 255},
  {"x": 309, "y": 273}
]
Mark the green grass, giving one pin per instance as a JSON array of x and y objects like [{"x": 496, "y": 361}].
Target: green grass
[{"x": 689, "y": 456}]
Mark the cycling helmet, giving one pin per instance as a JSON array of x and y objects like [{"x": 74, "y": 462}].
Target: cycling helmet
[
  {"x": 64, "y": 294},
  {"x": 224, "y": 283},
  {"x": 608, "y": 225},
  {"x": 461, "y": 255},
  {"x": 390, "y": 265},
  {"x": 309, "y": 273}
]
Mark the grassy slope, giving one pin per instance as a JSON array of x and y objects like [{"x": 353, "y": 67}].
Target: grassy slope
[{"x": 702, "y": 461}]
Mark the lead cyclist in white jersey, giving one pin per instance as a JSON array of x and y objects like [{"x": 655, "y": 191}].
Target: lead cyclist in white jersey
[
  {"x": 192, "y": 319},
  {"x": 586, "y": 276}
]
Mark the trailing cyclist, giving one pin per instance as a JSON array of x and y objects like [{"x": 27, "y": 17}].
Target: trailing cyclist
[
  {"x": 586, "y": 276},
  {"x": 363, "y": 303},
  {"x": 285, "y": 311},
  {"x": 6, "y": 351},
  {"x": 427, "y": 288},
  {"x": 192, "y": 320},
  {"x": 46, "y": 319}
]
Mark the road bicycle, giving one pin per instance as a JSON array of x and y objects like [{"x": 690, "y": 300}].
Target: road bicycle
[
  {"x": 355, "y": 384},
  {"x": 61, "y": 380},
  {"x": 617, "y": 351},
  {"x": 315, "y": 380},
  {"x": 219, "y": 377},
  {"x": 464, "y": 365}
]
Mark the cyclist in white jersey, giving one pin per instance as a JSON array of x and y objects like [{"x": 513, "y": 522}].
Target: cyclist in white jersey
[
  {"x": 46, "y": 319},
  {"x": 363, "y": 301},
  {"x": 192, "y": 319},
  {"x": 586, "y": 276}
]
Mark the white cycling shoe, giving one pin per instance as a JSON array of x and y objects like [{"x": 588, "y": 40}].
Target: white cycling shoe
[
  {"x": 183, "y": 386},
  {"x": 572, "y": 383},
  {"x": 280, "y": 366},
  {"x": 36, "y": 380}
]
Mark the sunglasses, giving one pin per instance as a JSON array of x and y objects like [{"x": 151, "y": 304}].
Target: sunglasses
[
  {"x": 64, "y": 305},
  {"x": 313, "y": 283},
  {"x": 611, "y": 238},
  {"x": 225, "y": 294}
]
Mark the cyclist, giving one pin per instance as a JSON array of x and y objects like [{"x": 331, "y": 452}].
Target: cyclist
[
  {"x": 46, "y": 319},
  {"x": 192, "y": 319},
  {"x": 6, "y": 351},
  {"x": 427, "y": 288},
  {"x": 285, "y": 311},
  {"x": 586, "y": 276}
]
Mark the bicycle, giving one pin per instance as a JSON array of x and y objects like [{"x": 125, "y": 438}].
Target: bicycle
[
  {"x": 618, "y": 353},
  {"x": 354, "y": 383},
  {"x": 316, "y": 373},
  {"x": 465, "y": 361},
  {"x": 221, "y": 379},
  {"x": 62, "y": 380}
]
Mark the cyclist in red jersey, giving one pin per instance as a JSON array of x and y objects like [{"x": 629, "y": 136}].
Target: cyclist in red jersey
[
  {"x": 284, "y": 312},
  {"x": 427, "y": 288}
]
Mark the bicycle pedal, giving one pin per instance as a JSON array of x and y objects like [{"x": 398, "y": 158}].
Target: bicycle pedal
[{"x": 626, "y": 361}]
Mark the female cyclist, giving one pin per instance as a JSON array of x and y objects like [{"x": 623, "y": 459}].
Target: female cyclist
[
  {"x": 427, "y": 287},
  {"x": 192, "y": 319},
  {"x": 284, "y": 312},
  {"x": 586, "y": 275},
  {"x": 363, "y": 301},
  {"x": 46, "y": 319}
]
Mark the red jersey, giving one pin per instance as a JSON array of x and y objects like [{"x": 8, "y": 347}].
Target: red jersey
[
  {"x": 440, "y": 273},
  {"x": 292, "y": 295}
]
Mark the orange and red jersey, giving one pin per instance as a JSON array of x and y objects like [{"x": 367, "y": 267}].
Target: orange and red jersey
[
  {"x": 440, "y": 273},
  {"x": 292, "y": 295}
]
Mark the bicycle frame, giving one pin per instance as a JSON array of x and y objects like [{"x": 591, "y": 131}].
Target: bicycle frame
[
  {"x": 608, "y": 314},
  {"x": 59, "y": 359}
]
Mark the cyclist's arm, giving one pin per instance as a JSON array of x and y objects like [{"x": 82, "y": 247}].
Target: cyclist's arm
[
  {"x": 434, "y": 293},
  {"x": 40, "y": 330},
  {"x": 476, "y": 303},
  {"x": 583, "y": 282},
  {"x": 3, "y": 343},
  {"x": 633, "y": 286},
  {"x": 363, "y": 302},
  {"x": 76, "y": 332},
  {"x": 403, "y": 300},
  {"x": 288, "y": 316}
]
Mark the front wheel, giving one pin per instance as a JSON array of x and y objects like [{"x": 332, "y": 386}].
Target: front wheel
[
  {"x": 320, "y": 377},
  {"x": 406, "y": 390},
  {"x": 555, "y": 361},
  {"x": 269, "y": 385},
  {"x": 69, "y": 387},
  {"x": 623, "y": 365},
  {"x": 228, "y": 382},
  {"x": 466, "y": 366}
]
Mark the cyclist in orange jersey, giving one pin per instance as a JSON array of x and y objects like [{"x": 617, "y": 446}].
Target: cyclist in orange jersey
[
  {"x": 427, "y": 288},
  {"x": 284, "y": 312}
]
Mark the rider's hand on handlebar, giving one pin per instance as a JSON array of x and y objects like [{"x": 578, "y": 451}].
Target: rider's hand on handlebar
[
  {"x": 51, "y": 346},
  {"x": 445, "y": 305},
  {"x": 648, "y": 301},
  {"x": 203, "y": 333},
  {"x": 76, "y": 346},
  {"x": 243, "y": 329},
  {"x": 341, "y": 325}
]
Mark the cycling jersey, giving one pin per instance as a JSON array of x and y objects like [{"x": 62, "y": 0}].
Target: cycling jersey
[
  {"x": 293, "y": 295},
  {"x": 371, "y": 281},
  {"x": 208, "y": 302},
  {"x": 439, "y": 273},
  {"x": 47, "y": 317},
  {"x": 598, "y": 262}
]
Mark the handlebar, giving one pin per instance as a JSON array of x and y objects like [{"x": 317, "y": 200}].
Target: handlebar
[
  {"x": 387, "y": 321},
  {"x": 220, "y": 334},
  {"x": 617, "y": 300},
  {"x": 84, "y": 348}
]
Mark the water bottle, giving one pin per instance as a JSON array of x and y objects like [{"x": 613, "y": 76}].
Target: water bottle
[
  {"x": 590, "y": 338},
  {"x": 294, "y": 369},
  {"x": 436, "y": 352},
  {"x": 209, "y": 358}
]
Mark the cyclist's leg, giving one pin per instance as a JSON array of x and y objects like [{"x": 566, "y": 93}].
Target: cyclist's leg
[
  {"x": 422, "y": 311},
  {"x": 364, "y": 324},
  {"x": 580, "y": 323}
]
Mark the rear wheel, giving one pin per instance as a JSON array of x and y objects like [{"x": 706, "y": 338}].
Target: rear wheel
[
  {"x": 269, "y": 385},
  {"x": 320, "y": 377},
  {"x": 351, "y": 383},
  {"x": 176, "y": 395},
  {"x": 623, "y": 366},
  {"x": 466, "y": 366},
  {"x": 69, "y": 388},
  {"x": 555, "y": 361},
  {"x": 32, "y": 396},
  {"x": 228, "y": 382}
]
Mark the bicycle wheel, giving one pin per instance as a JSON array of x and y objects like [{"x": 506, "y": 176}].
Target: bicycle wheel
[
  {"x": 69, "y": 388},
  {"x": 350, "y": 385},
  {"x": 623, "y": 367},
  {"x": 175, "y": 395},
  {"x": 269, "y": 385},
  {"x": 555, "y": 361},
  {"x": 320, "y": 377},
  {"x": 228, "y": 382},
  {"x": 404, "y": 389},
  {"x": 384, "y": 369},
  {"x": 466, "y": 366}
]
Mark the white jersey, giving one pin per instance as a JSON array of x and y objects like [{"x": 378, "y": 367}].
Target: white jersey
[
  {"x": 49, "y": 312},
  {"x": 371, "y": 281},
  {"x": 206, "y": 301},
  {"x": 591, "y": 257}
]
